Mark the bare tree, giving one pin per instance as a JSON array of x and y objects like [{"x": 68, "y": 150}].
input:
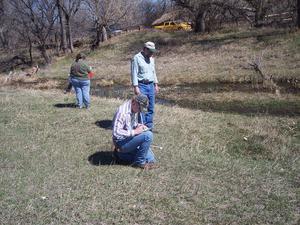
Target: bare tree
[
  {"x": 5, "y": 25},
  {"x": 261, "y": 8},
  {"x": 107, "y": 13},
  {"x": 204, "y": 11},
  {"x": 199, "y": 9},
  {"x": 152, "y": 10},
  {"x": 298, "y": 13},
  {"x": 63, "y": 40},
  {"x": 3, "y": 39},
  {"x": 70, "y": 8},
  {"x": 268, "y": 12},
  {"x": 38, "y": 18}
]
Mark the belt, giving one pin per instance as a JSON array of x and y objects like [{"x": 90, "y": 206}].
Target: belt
[{"x": 145, "y": 81}]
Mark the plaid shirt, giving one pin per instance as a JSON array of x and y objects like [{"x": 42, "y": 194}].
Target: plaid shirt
[{"x": 124, "y": 122}]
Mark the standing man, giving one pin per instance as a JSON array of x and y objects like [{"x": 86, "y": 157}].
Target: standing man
[
  {"x": 132, "y": 140},
  {"x": 144, "y": 80}
]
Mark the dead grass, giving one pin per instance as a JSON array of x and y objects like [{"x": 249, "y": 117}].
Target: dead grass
[
  {"x": 235, "y": 160},
  {"x": 186, "y": 58},
  {"x": 34, "y": 82},
  {"x": 209, "y": 173},
  {"x": 189, "y": 58}
]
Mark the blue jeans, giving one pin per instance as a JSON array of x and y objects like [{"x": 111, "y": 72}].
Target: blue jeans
[
  {"x": 149, "y": 91},
  {"x": 82, "y": 90},
  {"x": 136, "y": 150}
]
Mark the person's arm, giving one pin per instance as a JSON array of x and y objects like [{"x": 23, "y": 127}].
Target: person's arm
[
  {"x": 121, "y": 121},
  {"x": 154, "y": 72},
  {"x": 89, "y": 69},
  {"x": 90, "y": 72},
  {"x": 156, "y": 87},
  {"x": 134, "y": 73},
  {"x": 155, "y": 78}
]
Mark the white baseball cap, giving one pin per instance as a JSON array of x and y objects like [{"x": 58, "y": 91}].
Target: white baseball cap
[{"x": 150, "y": 45}]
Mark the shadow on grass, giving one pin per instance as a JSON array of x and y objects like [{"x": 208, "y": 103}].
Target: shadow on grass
[
  {"x": 105, "y": 124},
  {"x": 65, "y": 105},
  {"x": 101, "y": 158}
]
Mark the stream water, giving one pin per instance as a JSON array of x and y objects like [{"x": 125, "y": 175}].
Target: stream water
[
  {"x": 121, "y": 92},
  {"x": 192, "y": 96}
]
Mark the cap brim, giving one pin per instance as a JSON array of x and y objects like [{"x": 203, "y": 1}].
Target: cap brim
[
  {"x": 153, "y": 50},
  {"x": 143, "y": 109}
]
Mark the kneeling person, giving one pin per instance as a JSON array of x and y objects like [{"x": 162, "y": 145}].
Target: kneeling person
[{"x": 132, "y": 139}]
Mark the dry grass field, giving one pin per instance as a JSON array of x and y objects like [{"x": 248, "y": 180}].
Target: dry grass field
[
  {"x": 215, "y": 168},
  {"x": 230, "y": 146}
]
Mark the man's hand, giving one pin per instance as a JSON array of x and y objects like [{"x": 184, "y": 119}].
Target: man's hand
[
  {"x": 140, "y": 129},
  {"x": 156, "y": 88},
  {"x": 136, "y": 90}
]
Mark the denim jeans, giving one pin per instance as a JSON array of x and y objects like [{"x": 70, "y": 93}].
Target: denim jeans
[
  {"x": 149, "y": 91},
  {"x": 136, "y": 150},
  {"x": 82, "y": 90}
]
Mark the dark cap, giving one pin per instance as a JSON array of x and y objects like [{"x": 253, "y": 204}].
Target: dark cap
[
  {"x": 143, "y": 102},
  {"x": 80, "y": 56}
]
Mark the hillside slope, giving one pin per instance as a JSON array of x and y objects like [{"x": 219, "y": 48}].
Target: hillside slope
[{"x": 191, "y": 58}]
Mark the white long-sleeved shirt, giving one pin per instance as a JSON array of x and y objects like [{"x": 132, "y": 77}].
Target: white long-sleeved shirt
[
  {"x": 124, "y": 122},
  {"x": 142, "y": 70}
]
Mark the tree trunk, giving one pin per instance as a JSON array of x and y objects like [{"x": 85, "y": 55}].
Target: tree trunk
[
  {"x": 200, "y": 22},
  {"x": 259, "y": 15},
  {"x": 69, "y": 33},
  {"x": 104, "y": 34},
  {"x": 98, "y": 37},
  {"x": 30, "y": 50},
  {"x": 44, "y": 53},
  {"x": 298, "y": 13},
  {"x": 3, "y": 39},
  {"x": 71, "y": 38},
  {"x": 62, "y": 27},
  {"x": 56, "y": 43}
]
